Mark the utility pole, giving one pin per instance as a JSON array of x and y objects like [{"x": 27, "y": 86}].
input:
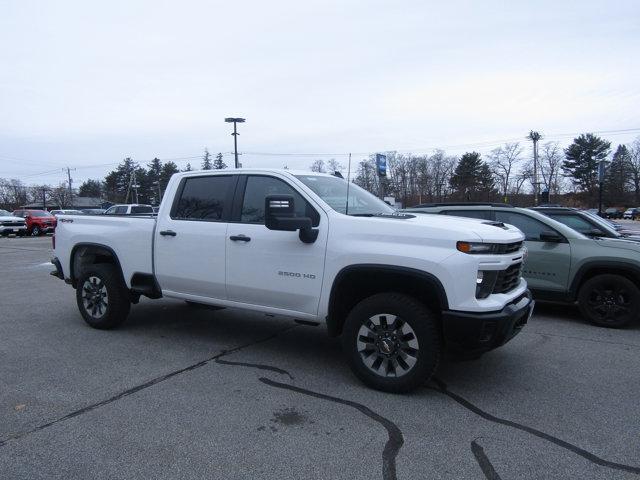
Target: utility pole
[
  {"x": 44, "y": 198},
  {"x": 535, "y": 137},
  {"x": 135, "y": 185},
  {"x": 601, "y": 173},
  {"x": 235, "y": 120},
  {"x": 70, "y": 187}
]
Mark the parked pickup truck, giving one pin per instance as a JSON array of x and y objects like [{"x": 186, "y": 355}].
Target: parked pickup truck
[{"x": 398, "y": 288}]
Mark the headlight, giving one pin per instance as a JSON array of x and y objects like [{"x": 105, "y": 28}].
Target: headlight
[{"x": 475, "y": 247}]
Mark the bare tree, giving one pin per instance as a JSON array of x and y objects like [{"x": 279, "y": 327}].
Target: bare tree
[
  {"x": 503, "y": 162},
  {"x": 61, "y": 196},
  {"x": 13, "y": 193},
  {"x": 318, "y": 166},
  {"x": 551, "y": 158},
  {"x": 634, "y": 168},
  {"x": 334, "y": 166}
]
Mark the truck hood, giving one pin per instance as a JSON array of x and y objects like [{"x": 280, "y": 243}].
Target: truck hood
[{"x": 460, "y": 228}]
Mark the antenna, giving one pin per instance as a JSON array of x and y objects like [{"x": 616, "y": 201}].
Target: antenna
[{"x": 346, "y": 208}]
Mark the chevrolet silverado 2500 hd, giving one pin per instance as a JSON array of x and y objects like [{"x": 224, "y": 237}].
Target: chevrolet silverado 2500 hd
[{"x": 398, "y": 288}]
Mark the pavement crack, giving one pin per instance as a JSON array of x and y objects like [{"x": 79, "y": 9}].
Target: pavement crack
[
  {"x": 138, "y": 388},
  {"x": 395, "y": 439},
  {"x": 483, "y": 461},
  {"x": 442, "y": 388},
  {"x": 259, "y": 366}
]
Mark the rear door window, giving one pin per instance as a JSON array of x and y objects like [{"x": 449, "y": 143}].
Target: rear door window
[
  {"x": 577, "y": 223},
  {"x": 204, "y": 198}
]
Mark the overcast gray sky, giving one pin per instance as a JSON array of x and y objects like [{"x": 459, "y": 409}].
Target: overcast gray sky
[{"x": 89, "y": 83}]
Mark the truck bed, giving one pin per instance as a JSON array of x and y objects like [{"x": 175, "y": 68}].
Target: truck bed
[{"x": 130, "y": 237}]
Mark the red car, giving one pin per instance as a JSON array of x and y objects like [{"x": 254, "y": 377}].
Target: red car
[{"x": 38, "y": 221}]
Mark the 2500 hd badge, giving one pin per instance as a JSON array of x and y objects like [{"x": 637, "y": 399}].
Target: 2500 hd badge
[{"x": 310, "y": 276}]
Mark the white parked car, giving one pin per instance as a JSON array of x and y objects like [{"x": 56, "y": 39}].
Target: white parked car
[
  {"x": 55, "y": 213},
  {"x": 631, "y": 213},
  {"x": 130, "y": 209},
  {"x": 399, "y": 288},
  {"x": 10, "y": 224}
]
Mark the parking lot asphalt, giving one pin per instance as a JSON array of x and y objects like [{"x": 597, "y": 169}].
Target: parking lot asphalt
[{"x": 178, "y": 392}]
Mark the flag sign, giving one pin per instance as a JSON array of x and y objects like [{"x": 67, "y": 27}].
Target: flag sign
[
  {"x": 381, "y": 164},
  {"x": 601, "y": 171}
]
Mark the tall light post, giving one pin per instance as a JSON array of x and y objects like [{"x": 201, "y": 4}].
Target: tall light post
[
  {"x": 535, "y": 137},
  {"x": 235, "y": 134}
]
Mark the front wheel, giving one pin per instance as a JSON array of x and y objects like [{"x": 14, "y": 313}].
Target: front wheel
[
  {"x": 102, "y": 296},
  {"x": 609, "y": 300},
  {"x": 35, "y": 231},
  {"x": 392, "y": 342}
]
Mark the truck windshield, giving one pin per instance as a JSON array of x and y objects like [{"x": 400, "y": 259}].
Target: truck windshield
[
  {"x": 333, "y": 191},
  {"x": 39, "y": 213}
]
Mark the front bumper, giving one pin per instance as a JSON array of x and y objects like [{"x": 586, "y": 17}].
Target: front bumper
[
  {"x": 477, "y": 333},
  {"x": 5, "y": 230}
]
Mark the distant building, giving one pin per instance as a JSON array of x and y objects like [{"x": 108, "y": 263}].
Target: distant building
[{"x": 79, "y": 203}]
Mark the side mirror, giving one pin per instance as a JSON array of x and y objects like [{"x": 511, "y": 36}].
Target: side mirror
[
  {"x": 279, "y": 214},
  {"x": 594, "y": 232},
  {"x": 551, "y": 237}
]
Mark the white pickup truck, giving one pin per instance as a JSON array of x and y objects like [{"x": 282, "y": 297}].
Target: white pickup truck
[{"x": 398, "y": 288}]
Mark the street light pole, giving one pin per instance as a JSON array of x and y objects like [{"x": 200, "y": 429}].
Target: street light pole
[
  {"x": 235, "y": 121},
  {"x": 535, "y": 137}
]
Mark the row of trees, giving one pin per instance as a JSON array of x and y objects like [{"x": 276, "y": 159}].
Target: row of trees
[
  {"x": 507, "y": 175},
  {"x": 128, "y": 182}
]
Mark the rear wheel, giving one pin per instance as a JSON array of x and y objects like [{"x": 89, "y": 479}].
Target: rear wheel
[
  {"x": 391, "y": 342},
  {"x": 609, "y": 300},
  {"x": 102, "y": 296}
]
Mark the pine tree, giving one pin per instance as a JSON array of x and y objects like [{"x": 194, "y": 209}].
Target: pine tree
[
  {"x": 218, "y": 163},
  {"x": 168, "y": 169},
  {"x": 472, "y": 178},
  {"x": 91, "y": 188},
  {"x": 117, "y": 182},
  {"x": 155, "y": 167},
  {"x": 618, "y": 176},
  {"x": 582, "y": 158},
  {"x": 206, "y": 160},
  {"x": 187, "y": 168}
]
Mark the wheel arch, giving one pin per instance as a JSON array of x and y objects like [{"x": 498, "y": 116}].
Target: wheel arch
[
  {"x": 356, "y": 282},
  {"x": 592, "y": 269},
  {"x": 91, "y": 253}
]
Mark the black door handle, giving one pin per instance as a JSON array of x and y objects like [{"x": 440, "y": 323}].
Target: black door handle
[
  {"x": 169, "y": 233},
  {"x": 240, "y": 238}
]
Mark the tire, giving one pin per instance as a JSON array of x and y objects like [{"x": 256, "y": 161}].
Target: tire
[
  {"x": 611, "y": 301},
  {"x": 103, "y": 283},
  {"x": 36, "y": 231},
  {"x": 402, "y": 347}
]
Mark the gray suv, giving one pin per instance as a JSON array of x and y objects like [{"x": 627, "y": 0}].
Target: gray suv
[{"x": 601, "y": 274}]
